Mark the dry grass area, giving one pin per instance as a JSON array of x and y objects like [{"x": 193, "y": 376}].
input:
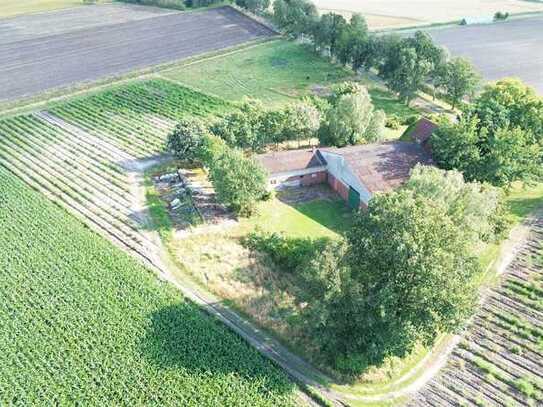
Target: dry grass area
[{"x": 400, "y": 13}]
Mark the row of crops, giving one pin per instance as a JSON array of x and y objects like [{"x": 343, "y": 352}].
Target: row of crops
[
  {"x": 137, "y": 117},
  {"x": 499, "y": 362},
  {"x": 84, "y": 324},
  {"x": 80, "y": 152}
]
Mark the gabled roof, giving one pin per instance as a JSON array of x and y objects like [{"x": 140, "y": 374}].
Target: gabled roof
[
  {"x": 422, "y": 130},
  {"x": 385, "y": 166},
  {"x": 293, "y": 160}
]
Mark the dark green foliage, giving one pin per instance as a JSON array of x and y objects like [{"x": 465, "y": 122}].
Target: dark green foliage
[
  {"x": 405, "y": 276},
  {"x": 458, "y": 79},
  {"x": 290, "y": 254},
  {"x": 255, "y": 6},
  {"x": 239, "y": 181},
  {"x": 241, "y": 127},
  {"x": 185, "y": 140},
  {"x": 295, "y": 17},
  {"x": 499, "y": 139}
]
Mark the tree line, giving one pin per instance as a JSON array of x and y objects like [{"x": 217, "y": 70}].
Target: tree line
[{"x": 406, "y": 64}]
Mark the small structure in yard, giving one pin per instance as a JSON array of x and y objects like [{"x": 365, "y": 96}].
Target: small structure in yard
[
  {"x": 420, "y": 132},
  {"x": 355, "y": 173}
]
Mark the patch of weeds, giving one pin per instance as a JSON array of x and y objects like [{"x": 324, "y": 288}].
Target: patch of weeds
[{"x": 525, "y": 387}]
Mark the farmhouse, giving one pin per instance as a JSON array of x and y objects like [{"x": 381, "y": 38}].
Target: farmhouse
[{"x": 355, "y": 173}]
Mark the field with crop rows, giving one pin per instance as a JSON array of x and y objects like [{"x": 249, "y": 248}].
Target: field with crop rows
[
  {"x": 84, "y": 154},
  {"x": 85, "y": 324},
  {"x": 498, "y": 363},
  {"x": 137, "y": 117}
]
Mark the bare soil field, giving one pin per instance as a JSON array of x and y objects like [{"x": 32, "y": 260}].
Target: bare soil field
[
  {"x": 510, "y": 49},
  {"x": 400, "y": 13},
  {"x": 87, "y": 47},
  {"x": 499, "y": 361}
]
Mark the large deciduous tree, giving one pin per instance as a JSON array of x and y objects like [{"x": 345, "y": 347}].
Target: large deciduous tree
[
  {"x": 459, "y": 79},
  {"x": 239, "y": 181},
  {"x": 184, "y": 141},
  {"x": 405, "y": 276},
  {"x": 352, "y": 119}
]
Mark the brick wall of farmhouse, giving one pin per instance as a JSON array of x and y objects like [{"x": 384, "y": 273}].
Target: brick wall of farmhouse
[
  {"x": 313, "y": 179},
  {"x": 338, "y": 186}
]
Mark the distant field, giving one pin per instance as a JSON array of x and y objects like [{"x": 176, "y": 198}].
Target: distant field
[
  {"x": 34, "y": 61},
  {"x": 85, "y": 324},
  {"x": 401, "y": 13},
  {"x": 510, "y": 49},
  {"x": 10, "y": 8}
]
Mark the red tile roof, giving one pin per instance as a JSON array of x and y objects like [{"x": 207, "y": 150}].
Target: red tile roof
[
  {"x": 422, "y": 131},
  {"x": 385, "y": 166},
  {"x": 293, "y": 160}
]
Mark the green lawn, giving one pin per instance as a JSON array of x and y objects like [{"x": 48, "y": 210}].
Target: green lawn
[
  {"x": 318, "y": 218},
  {"x": 275, "y": 72},
  {"x": 10, "y": 8}
]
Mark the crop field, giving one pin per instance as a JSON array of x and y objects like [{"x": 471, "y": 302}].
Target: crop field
[
  {"x": 509, "y": 49},
  {"x": 85, "y": 324},
  {"x": 499, "y": 361},
  {"x": 382, "y": 14},
  {"x": 32, "y": 61},
  {"x": 84, "y": 154}
]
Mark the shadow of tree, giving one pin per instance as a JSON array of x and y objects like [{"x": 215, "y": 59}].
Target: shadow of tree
[{"x": 176, "y": 339}]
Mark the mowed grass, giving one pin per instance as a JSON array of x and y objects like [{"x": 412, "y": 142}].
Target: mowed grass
[
  {"x": 275, "y": 72},
  {"x": 318, "y": 218},
  {"x": 85, "y": 324},
  {"x": 9, "y": 8}
]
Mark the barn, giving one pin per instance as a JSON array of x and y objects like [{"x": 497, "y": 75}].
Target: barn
[{"x": 356, "y": 173}]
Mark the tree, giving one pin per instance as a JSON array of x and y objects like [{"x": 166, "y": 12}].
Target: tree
[
  {"x": 255, "y": 6},
  {"x": 350, "y": 120},
  {"x": 455, "y": 146},
  {"x": 475, "y": 208},
  {"x": 511, "y": 156},
  {"x": 351, "y": 40},
  {"x": 184, "y": 141},
  {"x": 500, "y": 157},
  {"x": 210, "y": 149},
  {"x": 510, "y": 103},
  {"x": 459, "y": 79},
  {"x": 376, "y": 128},
  {"x": 301, "y": 121},
  {"x": 409, "y": 63},
  {"x": 295, "y": 17},
  {"x": 239, "y": 182},
  {"x": 328, "y": 31},
  {"x": 241, "y": 128},
  {"x": 273, "y": 126},
  {"x": 406, "y": 276}
]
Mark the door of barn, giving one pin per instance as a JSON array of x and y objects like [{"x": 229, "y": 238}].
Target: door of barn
[{"x": 354, "y": 198}]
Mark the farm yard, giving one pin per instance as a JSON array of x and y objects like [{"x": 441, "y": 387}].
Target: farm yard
[
  {"x": 33, "y": 63},
  {"x": 499, "y": 360},
  {"x": 387, "y": 14},
  {"x": 158, "y": 161},
  {"x": 509, "y": 49},
  {"x": 84, "y": 323}
]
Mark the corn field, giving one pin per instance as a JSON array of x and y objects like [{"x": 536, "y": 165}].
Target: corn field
[{"x": 85, "y": 324}]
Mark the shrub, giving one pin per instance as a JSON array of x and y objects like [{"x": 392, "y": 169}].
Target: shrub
[{"x": 393, "y": 122}]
